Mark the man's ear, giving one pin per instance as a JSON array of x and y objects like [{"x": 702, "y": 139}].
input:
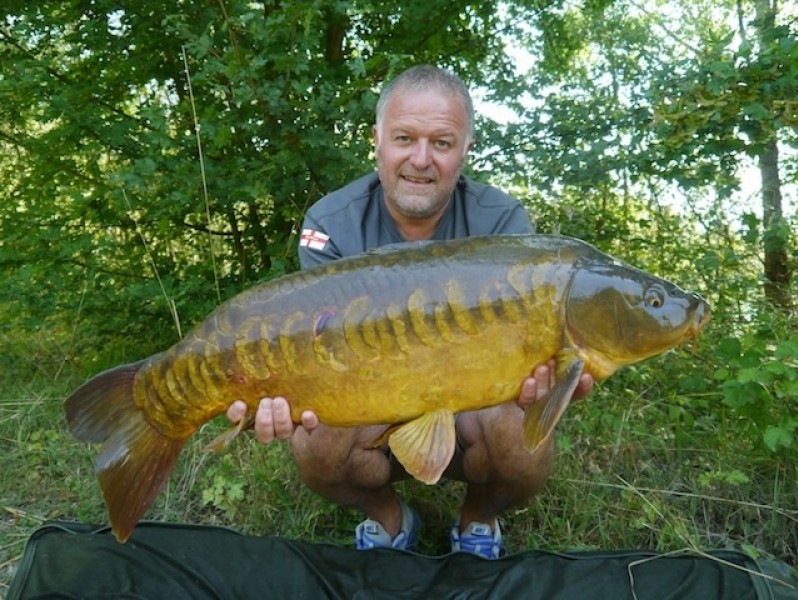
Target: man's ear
[
  {"x": 469, "y": 147},
  {"x": 375, "y": 135}
]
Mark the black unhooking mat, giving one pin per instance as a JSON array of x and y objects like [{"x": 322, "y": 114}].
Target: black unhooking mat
[{"x": 67, "y": 560}]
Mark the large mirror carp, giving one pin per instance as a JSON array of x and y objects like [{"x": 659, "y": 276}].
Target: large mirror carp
[{"x": 407, "y": 335}]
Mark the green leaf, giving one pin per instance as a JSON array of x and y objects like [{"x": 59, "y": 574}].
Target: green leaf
[
  {"x": 776, "y": 437},
  {"x": 728, "y": 349},
  {"x": 755, "y": 375},
  {"x": 786, "y": 350},
  {"x": 736, "y": 477}
]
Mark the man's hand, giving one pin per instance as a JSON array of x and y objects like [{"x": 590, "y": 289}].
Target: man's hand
[
  {"x": 543, "y": 379},
  {"x": 272, "y": 419}
]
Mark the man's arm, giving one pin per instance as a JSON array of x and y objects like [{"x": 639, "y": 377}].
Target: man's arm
[{"x": 316, "y": 247}]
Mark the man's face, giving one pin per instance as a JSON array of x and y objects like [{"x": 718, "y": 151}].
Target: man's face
[{"x": 421, "y": 144}]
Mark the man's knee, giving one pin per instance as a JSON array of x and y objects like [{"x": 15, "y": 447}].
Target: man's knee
[
  {"x": 335, "y": 456},
  {"x": 322, "y": 450},
  {"x": 494, "y": 448}
]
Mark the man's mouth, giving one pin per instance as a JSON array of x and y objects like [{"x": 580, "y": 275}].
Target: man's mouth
[{"x": 418, "y": 180}]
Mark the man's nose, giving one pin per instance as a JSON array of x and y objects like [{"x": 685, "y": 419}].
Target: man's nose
[{"x": 422, "y": 154}]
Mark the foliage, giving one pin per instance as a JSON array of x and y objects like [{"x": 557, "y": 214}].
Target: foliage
[
  {"x": 728, "y": 100},
  {"x": 758, "y": 377},
  {"x": 191, "y": 160},
  {"x": 734, "y": 99},
  {"x": 638, "y": 115},
  {"x": 185, "y": 144}
]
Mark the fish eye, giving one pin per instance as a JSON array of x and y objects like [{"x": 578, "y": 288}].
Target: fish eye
[{"x": 655, "y": 297}]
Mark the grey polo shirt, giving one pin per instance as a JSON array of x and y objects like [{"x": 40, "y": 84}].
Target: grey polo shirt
[{"x": 354, "y": 219}]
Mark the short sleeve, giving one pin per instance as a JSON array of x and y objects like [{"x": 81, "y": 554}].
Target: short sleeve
[{"x": 315, "y": 245}]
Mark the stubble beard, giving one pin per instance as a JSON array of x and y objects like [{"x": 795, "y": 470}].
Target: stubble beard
[{"x": 419, "y": 206}]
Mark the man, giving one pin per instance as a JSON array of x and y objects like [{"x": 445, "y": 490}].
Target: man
[{"x": 424, "y": 130}]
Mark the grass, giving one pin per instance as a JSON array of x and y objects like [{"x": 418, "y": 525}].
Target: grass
[{"x": 640, "y": 465}]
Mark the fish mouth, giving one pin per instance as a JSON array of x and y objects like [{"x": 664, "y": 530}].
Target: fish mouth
[{"x": 702, "y": 317}]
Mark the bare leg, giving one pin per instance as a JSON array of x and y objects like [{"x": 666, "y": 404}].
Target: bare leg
[
  {"x": 340, "y": 465},
  {"x": 499, "y": 471}
]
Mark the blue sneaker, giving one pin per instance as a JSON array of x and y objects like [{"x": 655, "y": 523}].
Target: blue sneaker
[
  {"x": 477, "y": 539},
  {"x": 370, "y": 534}
]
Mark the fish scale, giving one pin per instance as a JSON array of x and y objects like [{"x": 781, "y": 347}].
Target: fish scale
[{"x": 406, "y": 337}]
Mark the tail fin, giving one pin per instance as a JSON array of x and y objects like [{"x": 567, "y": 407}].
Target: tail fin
[{"x": 136, "y": 459}]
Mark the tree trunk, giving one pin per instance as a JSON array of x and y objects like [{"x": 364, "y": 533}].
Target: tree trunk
[
  {"x": 776, "y": 235},
  {"x": 777, "y": 270}
]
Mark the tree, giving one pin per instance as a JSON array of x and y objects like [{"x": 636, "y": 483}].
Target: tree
[
  {"x": 159, "y": 157},
  {"x": 785, "y": 67},
  {"x": 735, "y": 98},
  {"x": 663, "y": 100}
]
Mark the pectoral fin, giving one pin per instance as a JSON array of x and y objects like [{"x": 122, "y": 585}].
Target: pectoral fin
[
  {"x": 425, "y": 446},
  {"x": 542, "y": 416}
]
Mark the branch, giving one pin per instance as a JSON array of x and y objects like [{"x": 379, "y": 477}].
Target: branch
[{"x": 656, "y": 20}]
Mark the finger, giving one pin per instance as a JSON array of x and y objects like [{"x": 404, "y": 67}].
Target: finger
[
  {"x": 586, "y": 383},
  {"x": 309, "y": 420},
  {"x": 543, "y": 377},
  {"x": 529, "y": 392},
  {"x": 281, "y": 413},
  {"x": 264, "y": 421},
  {"x": 237, "y": 411},
  {"x": 552, "y": 364}
]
